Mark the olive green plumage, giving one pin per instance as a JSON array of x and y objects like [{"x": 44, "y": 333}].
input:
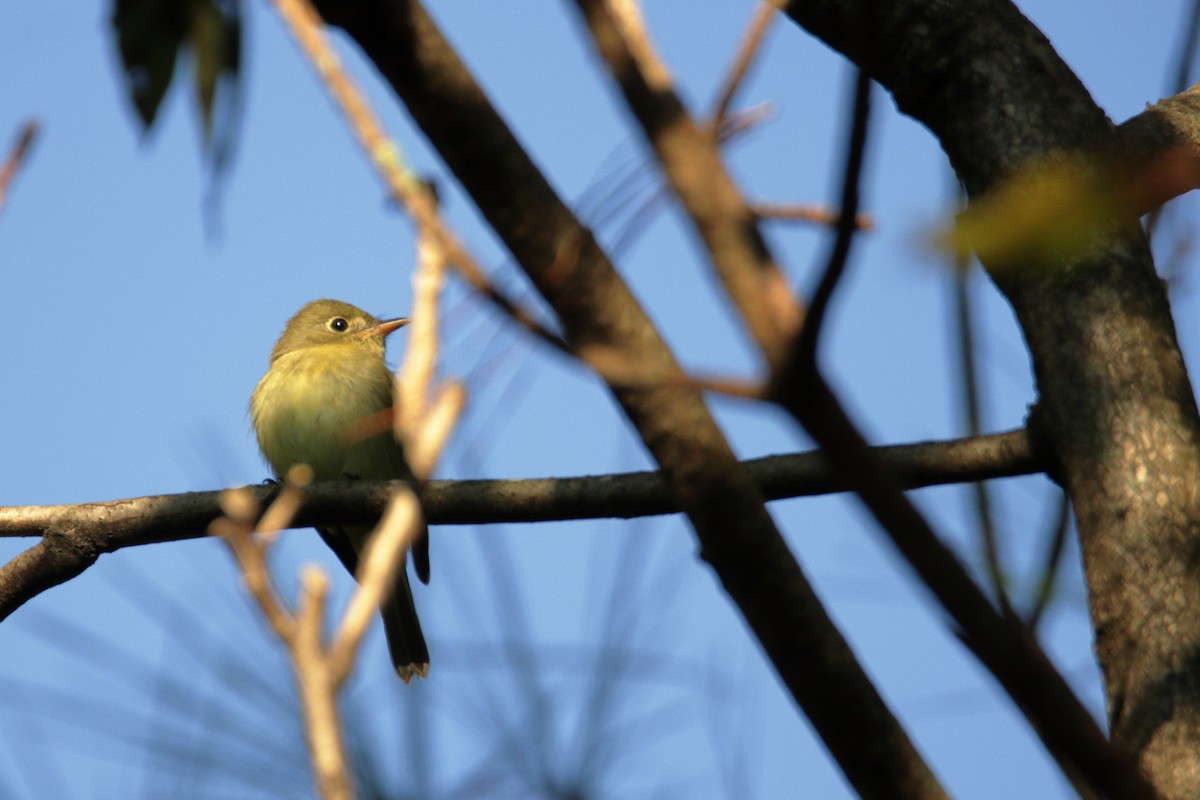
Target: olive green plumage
[{"x": 326, "y": 383}]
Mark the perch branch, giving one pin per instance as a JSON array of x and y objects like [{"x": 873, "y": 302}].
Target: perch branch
[{"x": 74, "y": 536}]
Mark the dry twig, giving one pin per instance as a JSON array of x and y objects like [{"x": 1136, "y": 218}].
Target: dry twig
[
  {"x": 16, "y": 157},
  {"x": 747, "y": 50},
  {"x": 692, "y": 164},
  {"x": 300, "y": 632},
  {"x": 797, "y": 212}
]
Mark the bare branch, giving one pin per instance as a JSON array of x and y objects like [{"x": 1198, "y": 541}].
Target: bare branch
[
  {"x": 1116, "y": 409},
  {"x": 427, "y": 414},
  {"x": 820, "y": 215},
  {"x": 692, "y": 164},
  {"x": 1159, "y": 152},
  {"x": 430, "y": 439},
  {"x": 969, "y": 370},
  {"x": 16, "y": 157},
  {"x": 299, "y": 632},
  {"x": 747, "y": 49},
  {"x": 422, "y": 426},
  {"x": 856, "y": 145},
  {"x": 321, "y": 671},
  {"x": 1056, "y": 541},
  {"x": 318, "y": 696},
  {"x": 74, "y": 536},
  {"x": 236, "y": 527},
  {"x": 173, "y": 517}
]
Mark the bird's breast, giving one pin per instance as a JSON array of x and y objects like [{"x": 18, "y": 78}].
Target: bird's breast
[{"x": 318, "y": 408}]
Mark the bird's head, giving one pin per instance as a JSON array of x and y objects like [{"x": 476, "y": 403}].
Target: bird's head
[{"x": 333, "y": 323}]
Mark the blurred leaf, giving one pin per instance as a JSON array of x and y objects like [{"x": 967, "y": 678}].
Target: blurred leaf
[
  {"x": 149, "y": 34},
  {"x": 215, "y": 36},
  {"x": 1043, "y": 215}
]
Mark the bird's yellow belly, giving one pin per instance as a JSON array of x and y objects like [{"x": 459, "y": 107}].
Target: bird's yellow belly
[{"x": 315, "y": 416}]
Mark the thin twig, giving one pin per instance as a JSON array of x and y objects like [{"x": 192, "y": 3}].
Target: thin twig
[
  {"x": 422, "y": 428},
  {"x": 747, "y": 50},
  {"x": 441, "y": 417},
  {"x": 1048, "y": 578},
  {"x": 797, "y": 212},
  {"x": 318, "y": 692},
  {"x": 970, "y": 386},
  {"x": 427, "y": 415},
  {"x": 17, "y": 156},
  {"x": 300, "y": 632},
  {"x": 236, "y": 529},
  {"x": 322, "y": 671},
  {"x": 621, "y": 371},
  {"x": 835, "y": 265},
  {"x": 415, "y": 375},
  {"x": 692, "y": 164}
]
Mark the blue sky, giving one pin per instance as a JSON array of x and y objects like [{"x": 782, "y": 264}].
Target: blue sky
[{"x": 139, "y": 325}]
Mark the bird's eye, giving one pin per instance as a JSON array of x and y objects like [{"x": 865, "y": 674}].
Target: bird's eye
[{"x": 338, "y": 324}]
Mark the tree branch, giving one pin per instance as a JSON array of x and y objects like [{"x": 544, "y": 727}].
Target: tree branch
[
  {"x": 692, "y": 164},
  {"x": 627, "y": 495},
  {"x": 969, "y": 370},
  {"x": 16, "y": 157},
  {"x": 298, "y": 631},
  {"x": 74, "y": 536},
  {"x": 793, "y": 212},
  {"x": 748, "y": 48},
  {"x": 839, "y": 255},
  {"x": 1160, "y": 150}
]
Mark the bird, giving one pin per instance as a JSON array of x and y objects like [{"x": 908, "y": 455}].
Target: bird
[{"x": 326, "y": 381}]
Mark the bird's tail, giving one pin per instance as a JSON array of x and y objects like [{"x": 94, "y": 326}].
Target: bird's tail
[{"x": 406, "y": 643}]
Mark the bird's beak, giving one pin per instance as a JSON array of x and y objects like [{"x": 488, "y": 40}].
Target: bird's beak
[{"x": 384, "y": 328}]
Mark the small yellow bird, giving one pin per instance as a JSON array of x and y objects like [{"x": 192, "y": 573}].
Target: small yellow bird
[{"x": 327, "y": 377}]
